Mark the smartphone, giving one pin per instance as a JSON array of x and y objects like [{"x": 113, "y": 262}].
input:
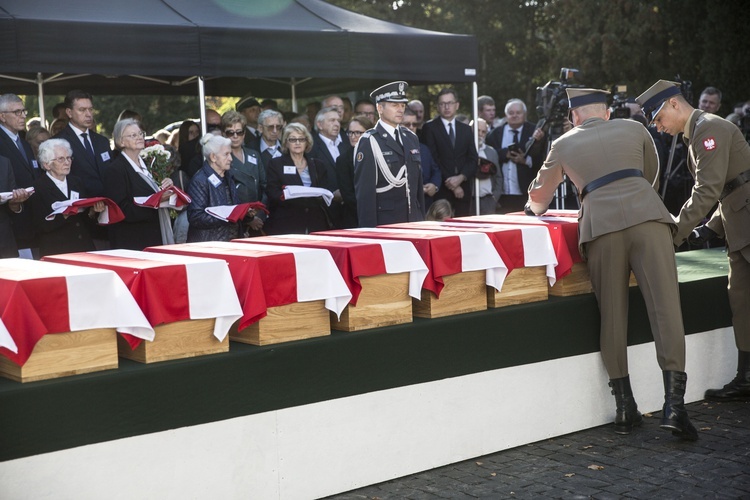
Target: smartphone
[{"x": 515, "y": 148}]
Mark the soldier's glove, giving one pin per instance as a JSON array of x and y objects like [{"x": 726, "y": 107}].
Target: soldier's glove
[
  {"x": 528, "y": 211},
  {"x": 701, "y": 235}
]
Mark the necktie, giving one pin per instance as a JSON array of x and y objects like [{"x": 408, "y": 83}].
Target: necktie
[
  {"x": 397, "y": 136},
  {"x": 20, "y": 148},
  {"x": 515, "y": 136},
  {"x": 451, "y": 134},
  {"x": 89, "y": 148}
]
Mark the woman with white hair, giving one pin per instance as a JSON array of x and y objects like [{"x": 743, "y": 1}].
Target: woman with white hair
[
  {"x": 213, "y": 185},
  {"x": 128, "y": 177},
  {"x": 64, "y": 233}
]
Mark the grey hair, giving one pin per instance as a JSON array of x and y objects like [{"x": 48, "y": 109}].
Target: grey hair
[
  {"x": 212, "y": 144},
  {"x": 512, "y": 102},
  {"x": 7, "y": 99},
  {"x": 322, "y": 113},
  {"x": 269, "y": 113},
  {"x": 47, "y": 149},
  {"x": 120, "y": 127}
]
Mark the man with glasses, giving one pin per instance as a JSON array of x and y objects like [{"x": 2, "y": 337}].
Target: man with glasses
[
  {"x": 270, "y": 124},
  {"x": 452, "y": 145},
  {"x": 91, "y": 151},
  {"x": 24, "y": 165},
  {"x": 387, "y": 171},
  {"x": 366, "y": 108}
]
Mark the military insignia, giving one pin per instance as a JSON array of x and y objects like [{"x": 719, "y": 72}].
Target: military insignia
[
  {"x": 401, "y": 88},
  {"x": 360, "y": 156},
  {"x": 414, "y": 151},
  {"x": 709, "y": 144}
]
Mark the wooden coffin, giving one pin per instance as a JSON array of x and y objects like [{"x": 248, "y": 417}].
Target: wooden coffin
[
  {"x": 383, "y": 301},
  {"x": 522, "y": 285},
  {"x": 463, "y": 293},
  {"x": 300, "y": 320},
  {"x": 181, "y": 339}
]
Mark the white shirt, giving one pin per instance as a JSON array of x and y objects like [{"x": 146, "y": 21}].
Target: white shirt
[
  {"x": 333, "y": 146},
  {"x": 452, "y": 124},
  {"x": 276, "y": 151},
  {"x": 140, "y": 168},
  {"x": 61, "y": 185},
  {"x": 510, "y": 169},
  {"x": 391, "y": 130},
  {"x": 78, "y": 132}
]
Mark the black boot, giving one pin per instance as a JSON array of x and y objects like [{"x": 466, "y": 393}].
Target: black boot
[
  {"x": 627, "y": 415},
  {"x": 674, "y": 415},
  {"x": 739, "y": 388}
]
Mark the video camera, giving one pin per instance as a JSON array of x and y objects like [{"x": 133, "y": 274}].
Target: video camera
[
  {"x": 552, "y": 101},
  {"x": 619, "y": 106}
]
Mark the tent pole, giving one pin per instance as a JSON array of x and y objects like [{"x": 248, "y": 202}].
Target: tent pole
[
  {"x": 202, "y": 100},
  {"x": 294, "y": 95},
  {"x": 40, "y": 92},
  {"x": 475, "y": 112}
]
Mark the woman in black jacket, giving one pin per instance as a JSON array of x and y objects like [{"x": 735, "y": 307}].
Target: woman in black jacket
[{"x": 296, "y": 168}]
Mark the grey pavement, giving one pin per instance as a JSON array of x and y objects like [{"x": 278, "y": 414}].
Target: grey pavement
[{"x": 597, "y": 463}]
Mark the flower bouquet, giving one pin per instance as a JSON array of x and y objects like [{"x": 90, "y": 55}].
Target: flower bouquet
[{"x": 157, "y": 162}]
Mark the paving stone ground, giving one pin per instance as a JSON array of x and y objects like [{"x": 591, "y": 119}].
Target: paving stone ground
[{"x": 599, "y": 464}]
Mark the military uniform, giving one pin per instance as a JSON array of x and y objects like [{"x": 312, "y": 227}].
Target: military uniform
[{"x": 387, "y": 169}]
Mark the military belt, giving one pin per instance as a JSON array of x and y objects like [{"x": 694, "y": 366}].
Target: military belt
[
  {"x": 738, "y": 181},
  {"x": 609, "y": 178}
]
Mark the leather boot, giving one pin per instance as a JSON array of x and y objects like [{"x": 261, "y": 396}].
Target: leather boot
[
  {"x": 627, "y": 415},
  {"x": 674, "y": 415},
  {"x": 739, "y": 388}
]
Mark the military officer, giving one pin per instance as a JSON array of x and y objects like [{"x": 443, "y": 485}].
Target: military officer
[
  {"x": 387, "y": 165},
  {"x": 623, "y": 226},
  {"x": 720, "y": 163}
]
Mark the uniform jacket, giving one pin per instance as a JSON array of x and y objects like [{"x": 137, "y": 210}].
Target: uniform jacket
[
  {"x": 300, "y": 215},
  {"x": 25, "y": 172},
  {"x": 91, "y": 173},
  {"x": 525, "y": 174},
  {"x": 718, "y": 153},
  {"x": 392, "y": 206},
  {"x": 8, "y": 246},
  {"x": 584, "y": 154},
  {"x": 61, "y": 234},
  {"x": 141, "y": 228},
  {"x": 205, "y": 227}
]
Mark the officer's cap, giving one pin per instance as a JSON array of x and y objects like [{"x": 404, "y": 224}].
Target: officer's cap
[
  {"x": 654, "y": 98},
  {"x": 246, "y": 102},
  {"x": 584, "y": 97},
  {"x": 390, "y": 92}
]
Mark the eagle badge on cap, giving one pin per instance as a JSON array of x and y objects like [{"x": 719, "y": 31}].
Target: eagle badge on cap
[
  {"x": 401, "y": 88},
  {"x": 709, "y": 144}
]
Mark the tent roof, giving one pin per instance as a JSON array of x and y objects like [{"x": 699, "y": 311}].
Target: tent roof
[{"x": 238, "y": 46}]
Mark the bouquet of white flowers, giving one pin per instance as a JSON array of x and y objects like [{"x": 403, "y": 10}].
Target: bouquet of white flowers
[{"x": 157, "y": 162}]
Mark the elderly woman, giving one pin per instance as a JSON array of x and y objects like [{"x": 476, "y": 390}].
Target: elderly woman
[
  {"x": 247, "y": 169},
  {"x": 296, "y": 168},
  {"x": 345, "y": 169},
  {"x": 128, "y": 177},
  {"x": 64, "y": 233},
  {"x": 213, "y": 185}
]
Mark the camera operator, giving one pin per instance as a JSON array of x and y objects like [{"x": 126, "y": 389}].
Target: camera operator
[{"x": 519, "y": 165}]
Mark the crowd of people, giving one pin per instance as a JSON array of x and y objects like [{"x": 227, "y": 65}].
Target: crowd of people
[{"x": 383, "y": 160}]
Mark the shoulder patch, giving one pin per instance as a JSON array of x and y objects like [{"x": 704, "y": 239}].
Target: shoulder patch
[
  {"x": 709, "y": 144},
  {"x": 360, "y": 156}
]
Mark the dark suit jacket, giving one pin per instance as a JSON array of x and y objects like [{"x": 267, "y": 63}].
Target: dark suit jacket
[
  {"x": 525, "y": 175},
  {"x": 60, "y": 235},
  {"x": 265, "y": 156},
  {"x": 140, "y": 229},
  {"x": 391, "y": 206},
  {"x": 320, "y": 151},
  {"x": 301, "y": 215},
  {"x": 91, "y": 173},
  {"x": 345, "y": 179},
  {"x": 461, "y": 159},
  {"x": 8, "y": 246},
  {"x": 24, "y": 173}
]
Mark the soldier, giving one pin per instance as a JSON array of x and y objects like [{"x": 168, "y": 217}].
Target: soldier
[
  {"x": 387, "y": 168},
  {"x": 623, "y": 226},
  {"x": 719, "y": 160}
]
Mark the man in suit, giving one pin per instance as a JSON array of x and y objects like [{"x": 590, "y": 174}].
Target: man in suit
[
  {"x": 387, "y": 170},
  {"x": 519, "y": 167},
  {"x": 328, "y": 145},
  {"x": 91, "y": 151},
  {"x": 13, "y": 206},
  {"x": 270, "y": 124},
  {"x": 250, "y": 109},
  {"x": 24, "y": 165},
  {"x": 719, "y": 161},
  {"x": 452, "y": 146},
  {"x": 623, "y": 225}
]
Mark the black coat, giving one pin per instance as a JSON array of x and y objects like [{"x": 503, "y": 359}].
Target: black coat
[
  {"x": 300, "y": 215},
  {"x": 525, "y": 175},
  {"x": 25, "y": 172},
  {"x": 90, "y": 173},
  {"x": 345, "y": 179},
  {"x": 141, "y": 228},
  {"x": 203, "y": 193},
  {"x": 8, "y": 246},
  {"x": 61, "y": 234}
]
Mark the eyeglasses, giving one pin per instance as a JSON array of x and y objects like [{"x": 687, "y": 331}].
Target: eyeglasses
[
  {"x": 446, "y": 104},
  {"x": 367, "y": 113},
  {"x": 410, "y": 124},
  {"x": 234, "y": 133},
  {"x": 63, "y": 159},
  {"x": 272, "y": 127},
  {"x": 134, "y": 135},
  {"x": 298, "y": 140},
  {"x": 17, "y": 112},
  {"x": 354, "y": 133}
]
